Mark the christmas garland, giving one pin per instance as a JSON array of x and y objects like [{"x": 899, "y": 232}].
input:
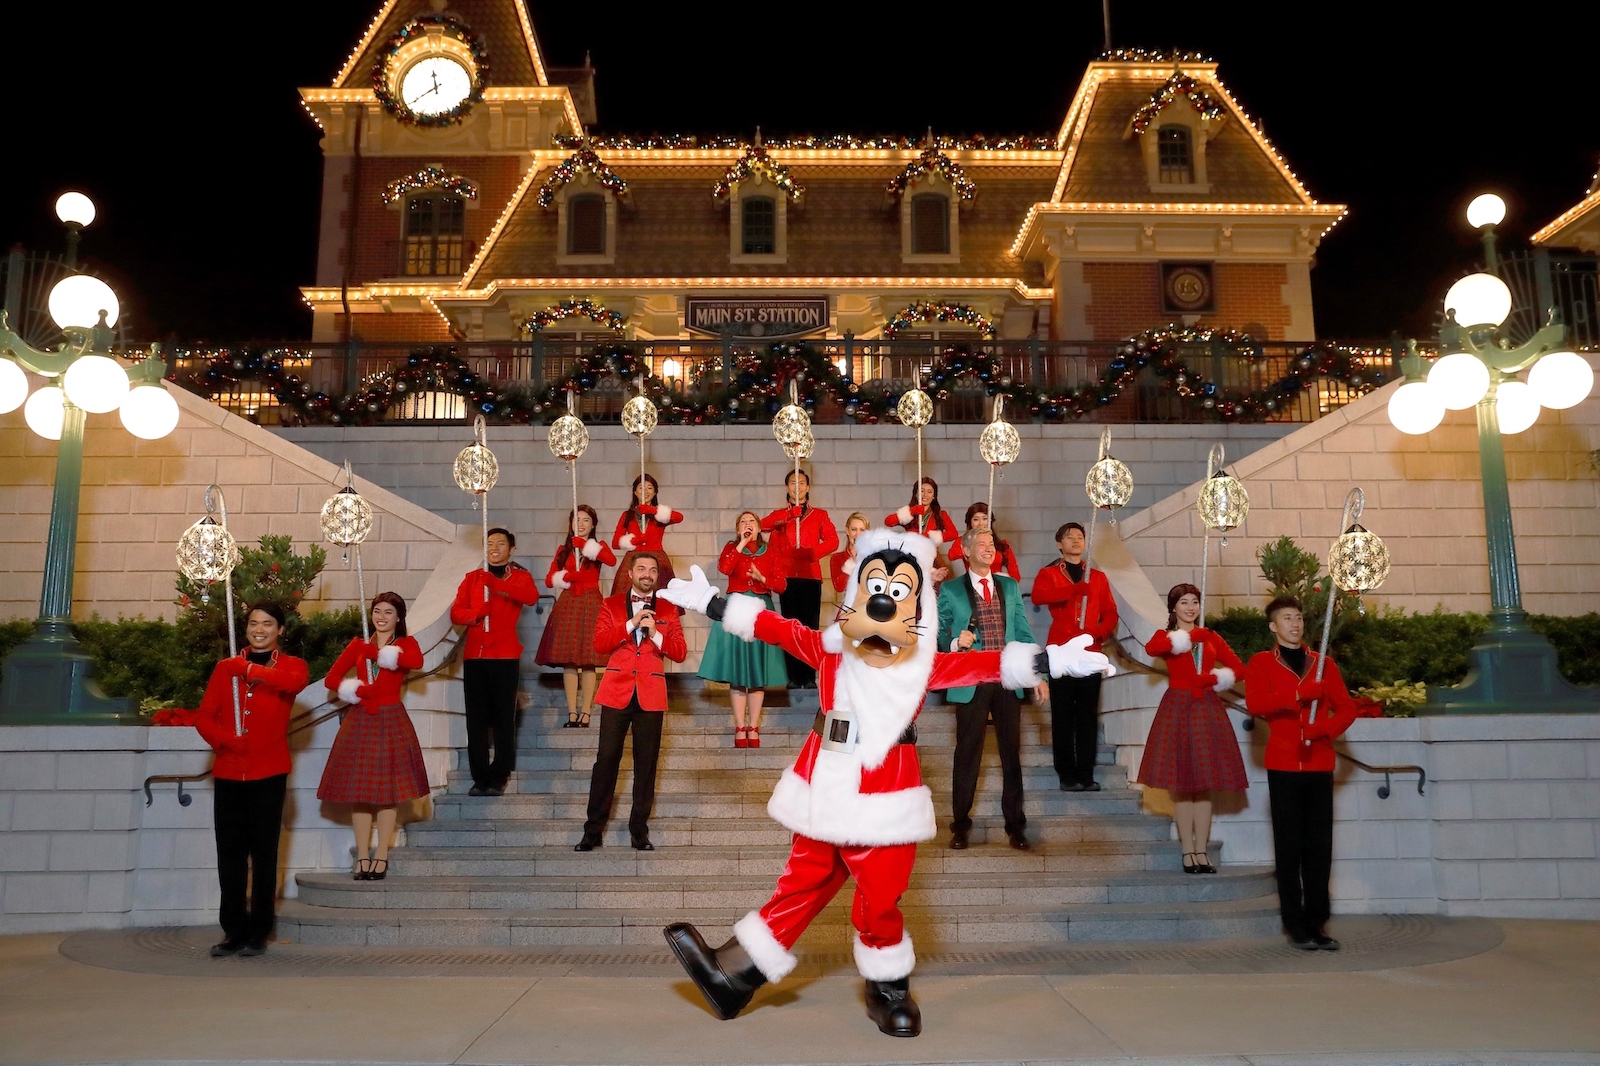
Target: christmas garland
[
  {"x": 1174, "y": 87},
  {"x": 583, "y": 160},
  {"x": 933, "y": 161},
  {"x": 410, "y": 31},
  {"x": 429, "y": 177},
  {"x": 938, "y": 312},
  {"x": 1152, "y": 55},
  {"x": 570, "y": 308},
  {"x": 977, "y": 142},
  {"x": 755, "y": 161}
]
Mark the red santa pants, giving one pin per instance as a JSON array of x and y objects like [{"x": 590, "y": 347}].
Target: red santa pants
[{"x": 817, "y": 870}]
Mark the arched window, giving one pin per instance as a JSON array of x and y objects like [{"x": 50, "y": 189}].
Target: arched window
[
  {"x": 759, "y": 225},
  {"x": 433, "y": 234},
  {"x": 586, "y": 225},
  {"x": 930, "y": 224},
  {"x": 1175, "y": 156}
]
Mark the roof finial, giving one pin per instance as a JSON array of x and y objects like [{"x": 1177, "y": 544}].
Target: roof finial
[
  {"x": 928, "y": 142},
  {"x": 758, "y": 136},
  {"x": 587, "y": 64}
]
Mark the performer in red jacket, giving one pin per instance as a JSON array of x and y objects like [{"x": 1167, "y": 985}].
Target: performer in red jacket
[
  {"x": 375, "y": 763},
  {"x": 250, "y": 775},
  {"x": 924, "y": 515},
  {"x": 808, "y": 537},
  {"x": 490, "y": 602},
  {"x": 642, "y": 528},
  {"x": 1191, "y": 750},
  {"x": 842, "y": 564},
  {"x": 568, "y": 640},
  {"x": 1005, "y": 560},
  {"x": 1281, "y": 686},
  {"x": 637, "y": 635},
  {"x": 1076, "y": 606}
]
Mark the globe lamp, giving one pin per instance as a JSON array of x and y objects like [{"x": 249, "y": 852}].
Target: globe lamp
[
  {"x": 1415, "y": 408},
  {"x": 45, "y": 413},
  {"x": 1459, "y": 380},
  {"x": 1559, "y": 380},
  {"x": 13, "y": 386},
  {"x": 1516, "y": 407},
  {"x": 1486, "y": 210},
  {"x": 77, "y": 300},
  {"x": 96, "y": 383},
  {"x": 75, "y": 209},
  {"x": 149, "y": 412},
  {"x": 1479, "y": 300}
]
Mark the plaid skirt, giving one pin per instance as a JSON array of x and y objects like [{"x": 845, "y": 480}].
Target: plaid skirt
[
  {"x": 664, "y": 573},
  {"x": 376, "y": 760},
  {"x": 568, "y": 639},
  {"x": 1192, "y": 747}
]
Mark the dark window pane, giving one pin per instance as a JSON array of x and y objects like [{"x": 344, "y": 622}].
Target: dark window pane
[
  {"x": 433, "y": 234},
  {"x": 1175, "y": 159},
  {"x": 760, "y": 230},
  {"x": 930, "y": 224},
  {"x": 586, "y": 225}
]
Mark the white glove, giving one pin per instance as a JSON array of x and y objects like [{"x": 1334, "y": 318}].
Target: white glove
[
  {"x": 347, "y": 690},
  {"x": 1073, "y": 659},
  {"x": 389, "y": 657},
  {"x": 692, "y": 595}
]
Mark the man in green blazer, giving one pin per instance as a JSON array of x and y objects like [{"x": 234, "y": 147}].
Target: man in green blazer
[{"x": 983, "y": 610}]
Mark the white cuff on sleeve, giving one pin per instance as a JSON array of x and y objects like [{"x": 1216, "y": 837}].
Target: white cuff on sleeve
[
  {"x": 1225, "y": 678},
  {"x": 389, "y": 657},
  {"x": 591, "y": 549},
  {"x": 904, "y": 514},
  {"x": 1181, "y": 641}
]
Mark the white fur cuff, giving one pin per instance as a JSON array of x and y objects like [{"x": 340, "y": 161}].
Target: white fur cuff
[
  {"x": 1225, "y": 678},
  {"x": 936, "y": 536},
  {"x": 1016, "y": 665},
  {"x": 625, "y": 542},
  {"x": 1181, "y": 641},
  {"x": 347, "y": 690},
  {"x": 773, "y": 959},
  {"x": 739, "y": 616},
  {"x": 559, "y": 581},
  {"x": 389, "y": 657},
  {"x": 833, "y": 640},
  {"x": 885, "y": 964},
  {"x": 904, "y": 515},
  {"x": 666, "y": 515},
  {"x": 850, "y": 564},
  {"x": 591, "y": 549}
]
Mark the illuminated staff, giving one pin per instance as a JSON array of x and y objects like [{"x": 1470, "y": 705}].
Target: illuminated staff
[
  {"x": 1109, "y": 486},
  {"x": 638, "y": 418},
  {"x": 1358, "y": 561},
  {"x": 206, "y": 554},
  {"x": 569, "y": 438},
  {"x": 1223, "y": 503},
  {"x": 915, "y": 409},
  {"x": 792, "y": 428},
  {"x": 999, "y": 445},
  {"x": 476, "y": 471},
  {"x": 346, "y": 521}
]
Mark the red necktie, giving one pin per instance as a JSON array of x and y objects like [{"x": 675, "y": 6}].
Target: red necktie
[{"x": 985, "y": 583}]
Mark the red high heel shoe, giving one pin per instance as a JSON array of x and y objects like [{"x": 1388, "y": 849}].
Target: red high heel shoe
[
  {"x": 740, "y": 739},
  {"x": 754, "y": 740}
]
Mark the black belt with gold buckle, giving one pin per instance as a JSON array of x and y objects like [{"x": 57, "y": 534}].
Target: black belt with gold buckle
[{"x": 818, "y": 725}]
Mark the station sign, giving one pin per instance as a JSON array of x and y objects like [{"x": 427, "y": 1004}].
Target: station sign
[{"x": 765, "y": 317}]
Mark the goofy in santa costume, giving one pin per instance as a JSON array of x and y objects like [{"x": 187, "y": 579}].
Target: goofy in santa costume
[{"x": 854, "y": 797}]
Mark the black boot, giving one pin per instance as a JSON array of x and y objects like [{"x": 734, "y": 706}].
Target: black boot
[
  {"x": 726, "y": 977},
  {"x": 890, "y": 1006}
]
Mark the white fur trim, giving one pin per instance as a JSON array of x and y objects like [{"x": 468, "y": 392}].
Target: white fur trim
[
  {"x": 347, "y": 690},
  {"x": 885, "y": 964},
  {"x": 739, "y": 617},
  {"x": 559, "y": 581},
  {"x": 1225, "y": 678},
  {"x": 1181, "y": 641},
  {"x": 389, "y": 657},
  {"x": 833, "y": 640},
  {"x": 832, "y": 808},
  {"x": 773, "y": 959},
  {"x": 591, "y": 549},
  {"x": 1017, "y": 666},
  {"x": 936, "y": 536},
  {"x": 666, "y": 515},
  {"x": 625, "y": 542},
  {"x": 850, "y": 564},
  {"x": 904, "y": 515}
]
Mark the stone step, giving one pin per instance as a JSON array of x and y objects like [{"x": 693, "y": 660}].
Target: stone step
[
  {"x": 932, "y": 928},
  {"x": 960, "y": 891},
  {"x": 719, "y": 737}
]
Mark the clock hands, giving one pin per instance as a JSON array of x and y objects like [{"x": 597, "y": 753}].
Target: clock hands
[{"x": 435, "y": 76}]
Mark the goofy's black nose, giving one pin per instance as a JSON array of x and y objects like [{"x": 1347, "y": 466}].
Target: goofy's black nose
[{"x": 881, "y": 608}]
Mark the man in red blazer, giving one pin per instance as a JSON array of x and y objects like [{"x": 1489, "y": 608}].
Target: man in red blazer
[{"x": 639, "y": 635}]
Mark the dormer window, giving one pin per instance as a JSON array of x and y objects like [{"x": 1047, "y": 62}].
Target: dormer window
[
  {"x": 759, "y": 191},
  {"x": 758, "y": 225},
  {"x": 586, "y": 222},
  {"x": 586, "y": 225},
  {"x": 435, "y": 224},
  {"x": 930, "y": 224},
  {"x": 1174, "y": 156}
]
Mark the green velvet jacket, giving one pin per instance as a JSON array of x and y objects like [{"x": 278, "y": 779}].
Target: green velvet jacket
[{"x": 957, "y": 599}]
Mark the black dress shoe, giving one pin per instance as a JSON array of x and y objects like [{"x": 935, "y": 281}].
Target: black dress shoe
[
  {"x": 588, "y": 843},
  {"x": 1071, "y": 786},
  {"x": 477, "y": 790},
  {"x": 1303, "y": 943},
  {"x": 726, "y": 977},
  {"x": 252, "y": 949},
  {"x": 1325, "y": 942},
  {"x": 642, "y": 843},
  {"x": 958, "y": 841},
  {"x": 1089, "y": 786},
  {"x": 495, "y": 790},
  {"x": 225, "y": 948},
  {"x": 1018, "y": 841},
  {"x": 891, "y": 1008}
]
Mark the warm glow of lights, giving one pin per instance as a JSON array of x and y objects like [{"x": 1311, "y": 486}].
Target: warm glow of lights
[
  {"x": 75, "y": 209},
  {"x": 1415, "y": 408},
  {"x": 1486, "y": 210},
  {"x": 383, "y": 14},
  {"x": 671, "y": 369},
  {"x": 149, "y": 412},
  {"x": 1570, "y": 215},
  {"x": 96, "y": 383},
  {"x": 1516, "y": 407},
  {"x": 1459, "y": 380},
  {"x": 1332, "y": 213},
  {"x": 1479, "y": 300},
  {"x": 45, "y": 411},
  {"x": 13, "y": 386},
  {"x": 77, "y": 300},
  {"x": 1559, "y": 380}
]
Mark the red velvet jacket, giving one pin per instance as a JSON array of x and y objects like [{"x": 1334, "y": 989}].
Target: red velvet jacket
[
  {"x": 817, "y": 539},
  {"x": 629, "y": 537},
  {"x": 385, "y": 687},
  {"x": 943, "y": 532},
  {"x": 770, "y": 561},
  {"x": 266, "y": 699},
  {"x": 1276, "y": 693},
  {"x": 640, "y": 666},
  {"x": 837, "y": 564},
  {"x": 1219, "y": 667},
  {"x": 507, "y": 596},
  {"x": 1064, "y": 597},
  {"x": 580, "y": 571}
]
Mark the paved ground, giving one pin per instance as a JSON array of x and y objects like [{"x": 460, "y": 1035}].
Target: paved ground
[{"x": 1468, "y": 991}]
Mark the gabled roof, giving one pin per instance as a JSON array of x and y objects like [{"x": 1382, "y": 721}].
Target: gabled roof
[
  {"x": 1578, "y": 226},
  {"x": 514, "y": 57}
]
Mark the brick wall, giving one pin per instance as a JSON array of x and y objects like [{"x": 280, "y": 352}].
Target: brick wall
[{"x": 1125, "y": 298}]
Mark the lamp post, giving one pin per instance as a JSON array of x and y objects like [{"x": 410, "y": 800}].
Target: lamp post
[
  {"x": 48, "y": 678},
  {"x": 1513, "y": 668}
]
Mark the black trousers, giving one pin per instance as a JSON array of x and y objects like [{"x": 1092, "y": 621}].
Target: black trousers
[
  {"x": 1006, "y": 709},
  {"x": 801, "y": 600},
  {"x": 1302, "y": 839},
  {"x": 490, "y": 689},
  {"x": 1075, "y": 727},
  {"x": 614, "y": 726},
  {"x": 248, "y": 816}
]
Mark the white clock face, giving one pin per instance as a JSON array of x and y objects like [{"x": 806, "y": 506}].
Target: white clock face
[{"x": 435, "y": 85}]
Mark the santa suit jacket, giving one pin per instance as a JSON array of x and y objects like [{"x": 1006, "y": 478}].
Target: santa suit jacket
[
  {"x": 636, "y": 666},
  {"x": 630, "y": 537},
  {"x": 507, "y": 597},
  {"x": 1272, "y": 691},
  {"x": 817, "y": 537},
  {"x": 868, "y": 797},
  {"x": 266, "y": 699}
]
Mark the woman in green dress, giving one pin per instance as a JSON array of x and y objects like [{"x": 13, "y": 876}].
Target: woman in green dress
[{"x": 754, "y": 566}]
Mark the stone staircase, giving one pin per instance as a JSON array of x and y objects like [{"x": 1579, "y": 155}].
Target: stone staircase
[{"x": 501, "y": 870}]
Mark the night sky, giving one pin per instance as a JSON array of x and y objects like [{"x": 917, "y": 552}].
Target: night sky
[{"x": 186, "y": 129}]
